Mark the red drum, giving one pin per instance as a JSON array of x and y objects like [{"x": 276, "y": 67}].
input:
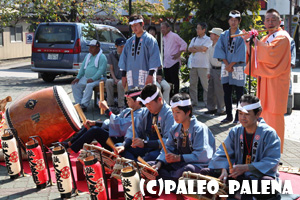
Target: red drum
[{"x": 48, "y": 113}]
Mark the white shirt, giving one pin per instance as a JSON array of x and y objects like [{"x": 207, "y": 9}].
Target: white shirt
[
  {"x": 213, "y": 61},
  {"x": 200, "y": 59}
]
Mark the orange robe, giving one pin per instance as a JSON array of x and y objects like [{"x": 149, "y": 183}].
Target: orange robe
[{"x": 273, "y": 79}]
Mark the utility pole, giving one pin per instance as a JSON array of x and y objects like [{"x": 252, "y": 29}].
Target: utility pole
[{"x": 129, "y": 12}]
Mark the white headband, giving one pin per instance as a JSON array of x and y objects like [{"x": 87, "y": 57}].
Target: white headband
[
  {"x": 249, "y": 107},
  {"x": 148, "y": 99},
  {"x": 135, "y": 21},
  {"x": 133, "y": 94},
  {"x": 186, "y": 102},
  {"x": 234, "y": 15}
]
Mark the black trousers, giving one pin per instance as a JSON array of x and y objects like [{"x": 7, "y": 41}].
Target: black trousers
[
  {"x": 228, "y": 98},
  {"x": 172, "y": 76}
]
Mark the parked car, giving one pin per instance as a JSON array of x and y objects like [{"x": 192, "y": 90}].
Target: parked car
[{"x": 59, "y": 48}]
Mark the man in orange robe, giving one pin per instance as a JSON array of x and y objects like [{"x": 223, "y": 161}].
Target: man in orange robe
[{"x": 271, "y": 66}]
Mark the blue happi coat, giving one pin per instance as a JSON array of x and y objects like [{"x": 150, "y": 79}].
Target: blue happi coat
[
  {"x": 232, "y": 52},
  {"x": 118, "y": 124},
  {"x": 165, "y": 122},
  {"x": 137, "y": 65},
  {"x": 202, "y": 144},
  {"x": 265, "y": 150}
]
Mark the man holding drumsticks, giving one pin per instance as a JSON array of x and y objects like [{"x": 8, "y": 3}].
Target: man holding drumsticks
[
  {"x": 146, "y": 142},
  {"x": 252, "y": 146},
  {"x": 190, "y": 144},
  {"x": 114, "y": 127}
]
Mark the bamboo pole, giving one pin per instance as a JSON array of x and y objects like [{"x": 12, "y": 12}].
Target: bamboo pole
[
  {"x": 133, "y": 129},
  {"x": 161, "y": 140},
  {"x": 227, "y": 156},
  {"x": 101, "y": 94},
  {"x": 81, "y": 115}
]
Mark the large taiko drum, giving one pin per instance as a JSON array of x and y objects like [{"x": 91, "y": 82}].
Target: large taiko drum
[{"x": 48, "y": 113}]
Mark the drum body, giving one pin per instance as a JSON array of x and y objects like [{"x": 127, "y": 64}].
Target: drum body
[
  {"x": 188, "y": 176},
  {"x": 48, "y": 113},
  {"x": 146, "y": 172}
]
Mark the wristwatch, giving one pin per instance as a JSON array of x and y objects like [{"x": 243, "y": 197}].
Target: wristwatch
[{"x": 145, "y": 142}]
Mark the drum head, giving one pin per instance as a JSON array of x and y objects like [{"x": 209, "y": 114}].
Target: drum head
[{"x": 67, "y": 107}]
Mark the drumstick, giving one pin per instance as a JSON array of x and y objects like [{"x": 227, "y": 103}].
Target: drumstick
[
  {"x": 227, "y": 156},
  {"x": 81, "y": 115},
  {"x": 161, "y": 141},
  {"x": 111, "y": 144},
  {"x": 132, "y": 120},
  {"x": 101, "y": 87},
  {"x": 265, "y": 30},
  {"x": 143, "y": 161}
]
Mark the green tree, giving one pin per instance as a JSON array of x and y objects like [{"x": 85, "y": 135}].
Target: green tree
[
  {"x": 36, "y": 11},
  {"x": 215, "y": 14}
]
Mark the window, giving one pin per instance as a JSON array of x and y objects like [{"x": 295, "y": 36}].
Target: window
[
  {"x": 55, "y": 34},
  {"x": 263, "y": 4},
  {"x": 16, "y": 34},
  {"x": 1, "y": 37},
  {"x": 116, "y": 35}
]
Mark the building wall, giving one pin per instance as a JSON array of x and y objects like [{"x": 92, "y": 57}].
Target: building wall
[{"x": 15, "y": 49}]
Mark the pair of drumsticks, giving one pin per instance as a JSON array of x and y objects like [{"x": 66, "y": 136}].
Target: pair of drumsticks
[{"x": 109, "y": 142}]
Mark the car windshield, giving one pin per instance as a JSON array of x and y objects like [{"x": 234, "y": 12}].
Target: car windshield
[
  {"x": 102, "y": 34},
  {"x": 55, "y": 34}
]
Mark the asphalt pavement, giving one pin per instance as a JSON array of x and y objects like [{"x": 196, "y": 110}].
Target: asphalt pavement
[{"x": 18, "y": 81}]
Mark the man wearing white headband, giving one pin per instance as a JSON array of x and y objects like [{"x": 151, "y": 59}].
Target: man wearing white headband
[
  {"x": 253, "y": 148},
  {"x": 190, "y": 144},
  {"x": 146, "y": 143},
  {"x": 232, "y": 53},
  {"x": 140, "y": 57},
  {"x": 115, "y": 126}
]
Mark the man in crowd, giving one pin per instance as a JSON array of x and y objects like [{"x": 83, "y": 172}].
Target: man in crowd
[
  {"x": 252, "y": 146},
  {"x": 163, "y": 85},
  {"x": 140, "y": 57},
  {"x": 116, "y": 75},
  {"x": 174, "y": 45},
  {"x": 199, "y": 63},
  {"x": 272, "y": 66},
  {"x": 215, "y": 94},
  {"x": 232, "y": 52},
  {"x": 92, "y": 69},
  {"x": 190, "y": 144},
  {"x": 146, "y": 143}
]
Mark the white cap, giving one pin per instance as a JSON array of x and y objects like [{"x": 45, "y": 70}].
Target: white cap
[
  {"x": 282, "y": 23},
  {"x": 216, "y": 31},
  {"x": 94, "y": 43}
]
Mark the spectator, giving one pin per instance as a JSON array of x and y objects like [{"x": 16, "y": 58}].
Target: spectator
[
  {"x": 92, "y": 69},
  {"x": 215, "y": 94},
  {"x": 161, "y": 83},
  {"x": 152, "y": 30},
  {"x": 200, "y": 63},
  {"x": 174, "y": 45},
  {"x": 116, "y": 75}
]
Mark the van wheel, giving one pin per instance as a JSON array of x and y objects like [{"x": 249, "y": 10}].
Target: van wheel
[{"x": 48, "y": 77}]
